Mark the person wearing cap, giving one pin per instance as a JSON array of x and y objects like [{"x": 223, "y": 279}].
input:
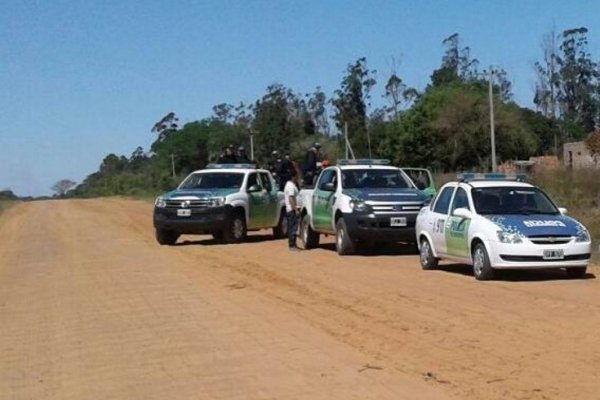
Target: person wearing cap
[
  {"x": 228, "y": 157},
  {"x": 291, "y": 208},
  {"x": 242, "y": 157},
  {"x": 309, "y": 167},
  {"x": 271, "y": 163}
]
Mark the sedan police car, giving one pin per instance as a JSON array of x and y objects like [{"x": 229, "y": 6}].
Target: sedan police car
[{"x": 491, "y": 222}]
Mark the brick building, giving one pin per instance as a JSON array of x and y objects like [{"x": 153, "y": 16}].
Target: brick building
[{"x": 576, "y": 155}]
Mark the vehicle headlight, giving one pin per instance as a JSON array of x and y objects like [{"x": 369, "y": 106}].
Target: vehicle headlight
[
  {"x": 160, "y": 202},
  {"x": 509, "y": 237},
  {"x": 217, "y": 201},
  {"x": 583, "y": 236},
  {"x": 358, "y": 205}
]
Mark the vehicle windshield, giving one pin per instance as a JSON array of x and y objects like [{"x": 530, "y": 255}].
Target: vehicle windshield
[
  {"x": 213, "y": 180},
  {"x": 512, "y": 200},
  {"x": 373, "y": 179},
  {"x": 419, "y": 177}
]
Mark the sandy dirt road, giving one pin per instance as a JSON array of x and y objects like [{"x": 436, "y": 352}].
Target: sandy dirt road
[{"x": 92, "y": 308}]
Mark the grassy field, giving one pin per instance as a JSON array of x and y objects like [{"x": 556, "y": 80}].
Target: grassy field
[
  {"x": 5, "y": 204},
  {"x": 576, "y": 190},
  {"x": 579, "y": 192}
]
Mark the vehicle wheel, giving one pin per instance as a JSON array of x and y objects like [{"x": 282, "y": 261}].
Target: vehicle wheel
[
  {"x": 576, "y": 272},
  {"x": 281, "y": 230},
  {"x": 218, "y": 236},
  {"x": 482, "y": 269},
  {"x": 166, "y": 237},
  {"x": 343, "y": 242},
  {"x": 309, "y": 238},
  {"x": 428, "y": 261},
  {"x": 236, "y": 229}
]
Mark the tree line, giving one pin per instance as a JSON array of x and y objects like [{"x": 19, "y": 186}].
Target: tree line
[{"x": 445, "y": 126}]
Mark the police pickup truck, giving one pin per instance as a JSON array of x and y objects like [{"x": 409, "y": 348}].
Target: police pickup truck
[
  {"x": 360, "y": 202},
  {"x": 225, "y": 200}
]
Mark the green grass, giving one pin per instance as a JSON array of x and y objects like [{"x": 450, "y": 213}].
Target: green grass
[
  {"x": 5, "y": 204},
  {"x": 576, "y": 190},
  {"x": 579, "y": 192}
]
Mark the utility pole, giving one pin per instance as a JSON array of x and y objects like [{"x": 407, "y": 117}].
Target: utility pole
[
  {"x": 492, "y": 132},
  {"x": 346, "y": 138},
  {"x": 173, "y": 164},
  {"x": 369, "y": 140},
  {"x": 251, "y": 132}
]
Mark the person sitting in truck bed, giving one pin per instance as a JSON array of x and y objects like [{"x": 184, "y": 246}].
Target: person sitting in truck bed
[{"x": 228, "y": 157}]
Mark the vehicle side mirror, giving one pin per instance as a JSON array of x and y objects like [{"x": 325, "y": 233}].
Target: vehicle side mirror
[
  {"x": 562, "y": 210},
  {"x": 254, "y": 189},
  {"x": 328, "y": 187},
  {"x": 461, "y": 212}
]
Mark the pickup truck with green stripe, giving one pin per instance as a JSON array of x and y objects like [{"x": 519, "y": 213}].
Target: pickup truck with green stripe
[
  {"x": 225, "y": 200},
  {"x": 361, "y": 202}
]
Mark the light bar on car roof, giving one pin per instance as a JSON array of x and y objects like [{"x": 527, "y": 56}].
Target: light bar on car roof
[
  {"x": 491, "y": 176},
  {"x": 364, "y": 161},
  {"x": 231, "y": 166}
]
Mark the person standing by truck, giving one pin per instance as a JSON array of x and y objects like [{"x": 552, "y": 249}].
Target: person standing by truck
[
  {"x": 290, "y": 192},
  {"x": 309, "y": 166}
]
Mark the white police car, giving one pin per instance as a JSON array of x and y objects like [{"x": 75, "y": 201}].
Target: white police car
[{"x": 492, "y": 222}]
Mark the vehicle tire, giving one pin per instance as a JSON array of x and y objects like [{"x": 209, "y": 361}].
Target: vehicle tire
[
  {"x": 280, "y": 231},
  {"x": 576, "y": 272},
  {"x": 426, "y": 257},
  {"x": 309, "y": 238},
  {"x": 482, "y": 269},
  {"x": 218, "y": 236},
  {"x": 343, "y": 243},
  {"x": 166, "y": 237},
  {"x": 236, "y": 231}
]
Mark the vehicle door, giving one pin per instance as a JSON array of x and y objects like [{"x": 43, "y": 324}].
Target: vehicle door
[
  {"x": 271, "y": 208},
  {"x": 257, "y": 202},
  {"x": 457, "y": 228},
  {"x": 323, "y": 199},
  {"x": 422, "y": 179},
  {"x": 439, "y": 217}
]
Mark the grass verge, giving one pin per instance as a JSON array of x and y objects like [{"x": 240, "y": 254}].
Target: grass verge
[{"x": 6, "y": 204}]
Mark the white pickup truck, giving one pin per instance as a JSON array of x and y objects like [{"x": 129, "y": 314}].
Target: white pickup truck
[
  {"x": 361, "y": 202},
  {"x": 225, "y": 200}
]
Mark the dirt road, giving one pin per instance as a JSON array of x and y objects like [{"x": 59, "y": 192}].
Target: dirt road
[{"x": 92, "y": 308}]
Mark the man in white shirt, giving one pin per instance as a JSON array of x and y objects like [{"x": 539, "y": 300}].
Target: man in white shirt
[{"x": 290, "y": 192}]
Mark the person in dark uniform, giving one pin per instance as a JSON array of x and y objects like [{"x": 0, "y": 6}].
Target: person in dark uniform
[
  {"x": 309, "y": 167},
  {"x": 272, "y": 165},
  {"x": 242, "y": 157},
  {"x": 228, "y": 157}
]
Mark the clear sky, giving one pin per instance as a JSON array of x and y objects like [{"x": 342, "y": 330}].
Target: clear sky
[{"x": 81, "y": 79}]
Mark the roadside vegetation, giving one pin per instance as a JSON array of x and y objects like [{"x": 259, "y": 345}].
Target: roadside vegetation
[
  {"x": 7, "y": 200},
  {"x": 579, "y": 192}
]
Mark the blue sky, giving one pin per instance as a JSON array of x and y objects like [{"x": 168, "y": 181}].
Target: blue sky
[{"x": 81, "y": 79}]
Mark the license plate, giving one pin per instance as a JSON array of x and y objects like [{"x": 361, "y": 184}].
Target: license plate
[
  {"x": 398, "y": 221},
  {"x": 184, "y": 212},
  {"x": 554, "y": 254}
]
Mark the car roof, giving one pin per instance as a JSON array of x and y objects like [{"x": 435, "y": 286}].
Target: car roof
[
  {"x": 225, "y": 170},
  {"x": 493, "y": 183},
  {"x": 345, "y": 167}
]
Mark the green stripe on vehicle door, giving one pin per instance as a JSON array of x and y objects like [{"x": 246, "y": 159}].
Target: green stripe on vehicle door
[{"x": 457, "y": 236}]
